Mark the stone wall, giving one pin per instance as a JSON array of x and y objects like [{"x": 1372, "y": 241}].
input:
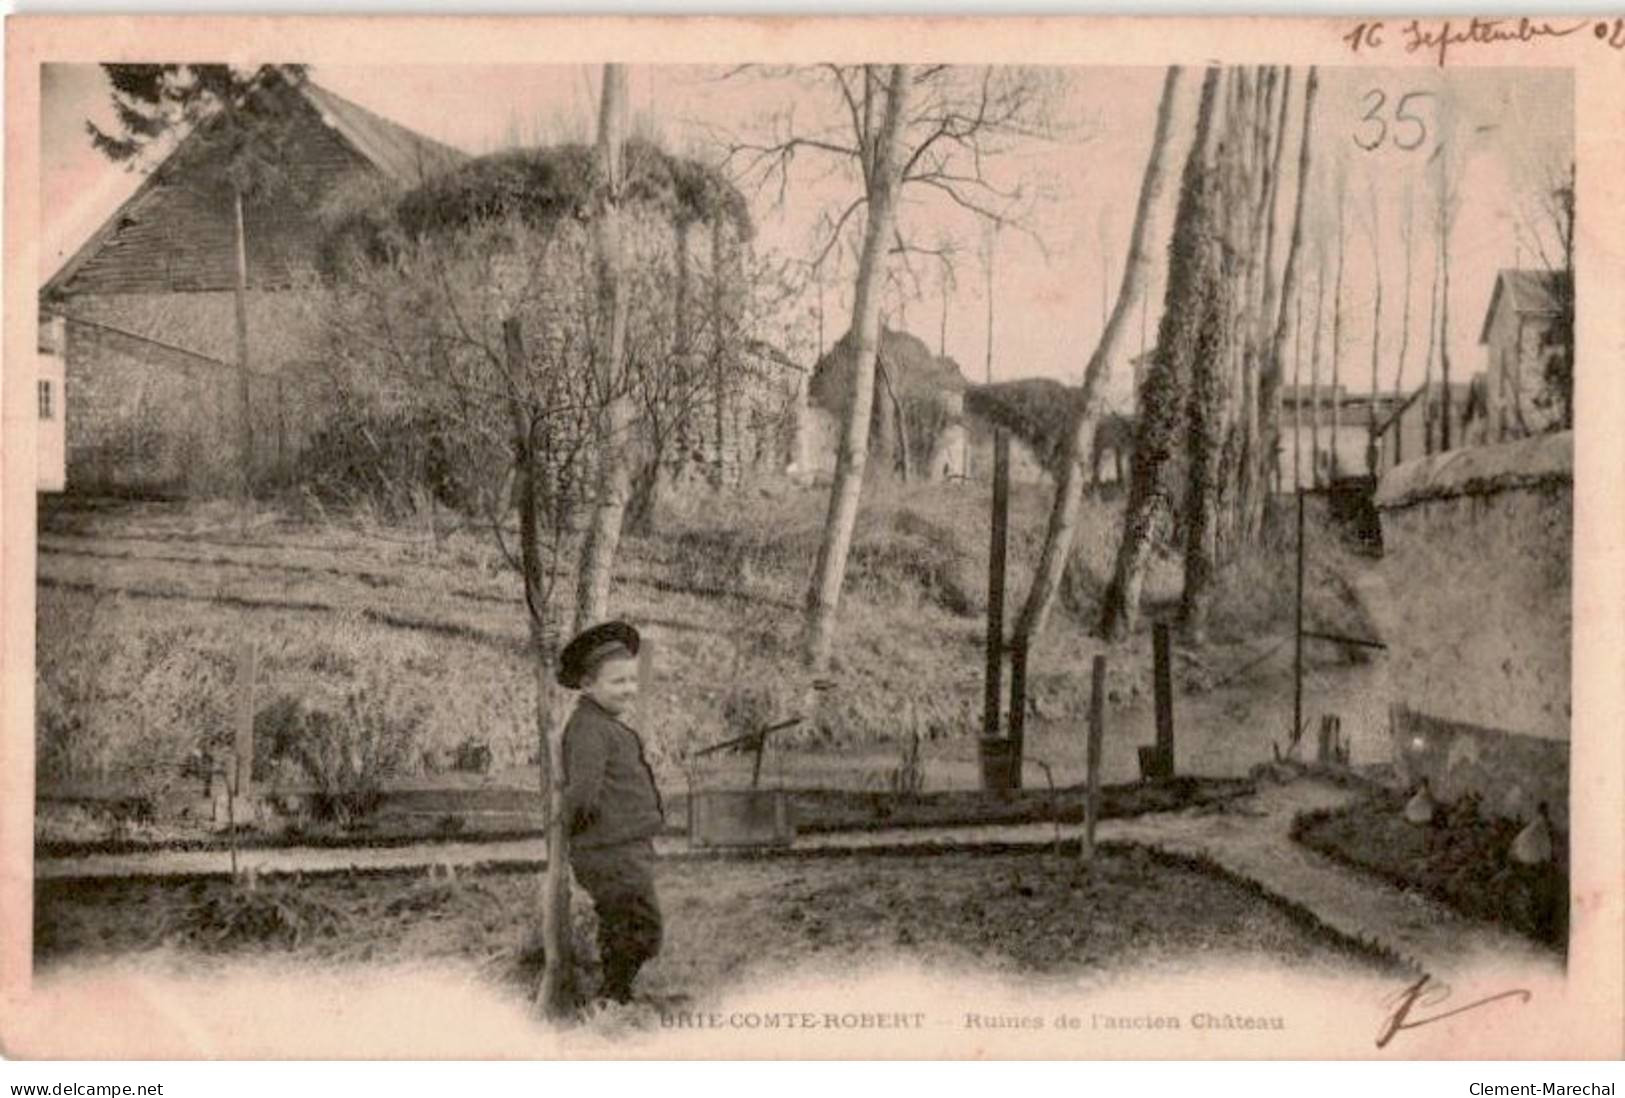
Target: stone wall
[
  {"x": 152, "y": 398},
  {"x": 1478, "y": 617}
]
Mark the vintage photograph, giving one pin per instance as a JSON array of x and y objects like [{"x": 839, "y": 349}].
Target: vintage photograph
[{"x": 630, "y": 544}]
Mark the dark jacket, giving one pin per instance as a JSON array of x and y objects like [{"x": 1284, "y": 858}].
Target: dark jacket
[{"x": 610, "y": 794}]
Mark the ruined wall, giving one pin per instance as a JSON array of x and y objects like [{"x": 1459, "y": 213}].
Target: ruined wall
[{"x": 1477, "y": 569}]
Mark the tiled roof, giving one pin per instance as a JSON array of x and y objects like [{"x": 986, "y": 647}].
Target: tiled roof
[
  {"x": 402, "y": 154},
  {"x": 171, "y": 237}
]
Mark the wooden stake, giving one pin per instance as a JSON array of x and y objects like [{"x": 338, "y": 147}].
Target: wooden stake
[
  {"x": 242, "y": 783},
  {"x": 1018, "y": 708},
  {"x": 1097, "y": 721},
  {"x": 995, "y": 584},
  {"x": 1297, "y": 639},
  {"x": 1162, "y": 657}
]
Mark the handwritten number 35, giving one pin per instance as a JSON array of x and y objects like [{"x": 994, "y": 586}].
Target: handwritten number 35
[{"x": 1408, "y": 130}]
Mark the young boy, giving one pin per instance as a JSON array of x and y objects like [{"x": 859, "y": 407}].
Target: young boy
[{"x": 611, "y": 803}]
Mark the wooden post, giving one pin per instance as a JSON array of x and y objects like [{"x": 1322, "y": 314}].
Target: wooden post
[
  {"x": 1018, "y": 708},
  {"x": 1162, "y": 657},
  {"x": 1297, "y": 638},
  {"x": 995, "y": 584},
  {"x": 241, "y": 783},
  {"x": 1097, "y": 721},
  {"x": 1323, "y": 741}
]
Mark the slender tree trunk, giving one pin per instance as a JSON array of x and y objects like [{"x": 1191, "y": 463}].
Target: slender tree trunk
[
  {"x": 992, "y": 252},
  {"x": 1444, "y": 342},
  {"x": 1291, "y": 295},
  {"x": 1376, "y": 341},
  {"x": 1080, "y": 440},
  {"x": 719, "y": 347},
  {"x": 245, "y": 397},
  {"x": 615, "y": 417},
  {"x": 1258, "y": 464},
  {"x": 1163, "y": 403},
  {"x": 683, "y": 344},
  {"x": 1297, "y": 392},
  {"x": 884, "y": 425},
  {"x": 1404, "y": 328},
  {"x": 1314, "y": 378},
  {"x": 824, "y": 593},
  {"x": 1337, "y": 348},
  {"x": 1427, "y": 371},
  {"x": 556, "y": 993}
]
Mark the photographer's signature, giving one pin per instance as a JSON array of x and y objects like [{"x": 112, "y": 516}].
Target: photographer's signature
[{"x": 1426, "y": 993}]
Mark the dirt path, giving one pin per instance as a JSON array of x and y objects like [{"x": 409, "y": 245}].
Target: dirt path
[{"x": 1250, "y": 838}]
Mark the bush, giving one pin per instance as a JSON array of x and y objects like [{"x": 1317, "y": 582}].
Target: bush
[
  {"x": 346, "y": 753},
  {"x": 116, "y": 696}
]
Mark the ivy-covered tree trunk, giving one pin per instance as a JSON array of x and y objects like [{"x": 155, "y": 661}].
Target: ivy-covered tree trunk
[
  {"x": 1167, "y": 378},
  {"x": 1211, "y": 432}
]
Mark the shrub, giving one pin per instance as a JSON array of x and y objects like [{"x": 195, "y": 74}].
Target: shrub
[{"x": 349, "y": 752}]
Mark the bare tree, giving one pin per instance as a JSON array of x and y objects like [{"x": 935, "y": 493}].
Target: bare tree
[
  {"x": 1374, "y": 228},
  {"x": 603, "y": 536},
  {"x": 1314, "y": 368},
  {"x": 1086, "y": 417},
  {"x": 1337, "y": 320},
  {"x": 1446, "y": 164},
  {"x": 1261, "y": 388},
  {"x": 1433, "y": 344},
  {"x": 937, "y": 130},
  {"x": 1407, "y": 236},
  {"x": 1291, "y": 295},
  {"x": 883, "y": 172}
]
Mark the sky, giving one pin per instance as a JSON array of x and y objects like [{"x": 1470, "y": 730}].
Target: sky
[{"x": 1501, "y": 133}]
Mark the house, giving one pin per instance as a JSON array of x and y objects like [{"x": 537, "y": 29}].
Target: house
[
  {"x": 1523, "y": 333},
  {"x": 1414, "y": 427},
  {"x": 50, "y": 451},
  {"x": 146, "y": 307},
  {"x": 950, "y": 424}
]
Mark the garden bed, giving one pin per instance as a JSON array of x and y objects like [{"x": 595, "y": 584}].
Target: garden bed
[
  {"x": 731, "y": 921},
  {"x": 1460, "y": 860},
  {"x": 412, "y": 816}
]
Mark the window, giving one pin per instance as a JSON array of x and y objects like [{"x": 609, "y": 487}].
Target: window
[{"x": 46, "y": 411}]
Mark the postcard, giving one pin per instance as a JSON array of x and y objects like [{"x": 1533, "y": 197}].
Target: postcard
[{"x": 918, "y": 537}]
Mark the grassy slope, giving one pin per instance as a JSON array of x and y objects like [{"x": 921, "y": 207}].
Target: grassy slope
[{"x": 143, "y": 607}]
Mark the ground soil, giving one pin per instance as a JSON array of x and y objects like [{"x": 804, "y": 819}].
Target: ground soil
[
  {"x": 730, "y": 920},
  {"x": 1460, "y": 860}
]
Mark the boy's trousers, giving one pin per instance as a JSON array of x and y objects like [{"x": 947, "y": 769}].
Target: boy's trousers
[{"x": 620, "y": 879}]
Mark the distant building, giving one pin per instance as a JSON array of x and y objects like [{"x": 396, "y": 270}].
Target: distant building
[
  {"x": 146, "y": 308},
  {"x": 50, "y": 447},
  {"x": 1415, "y": 426},
  {"x": 1520, "y": 338},
  {"x": 1343, "y": 453},
  {"x": 947, "y": 441}
]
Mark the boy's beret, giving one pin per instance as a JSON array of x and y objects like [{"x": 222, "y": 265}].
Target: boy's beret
[{"x": 589, "y": 648}]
